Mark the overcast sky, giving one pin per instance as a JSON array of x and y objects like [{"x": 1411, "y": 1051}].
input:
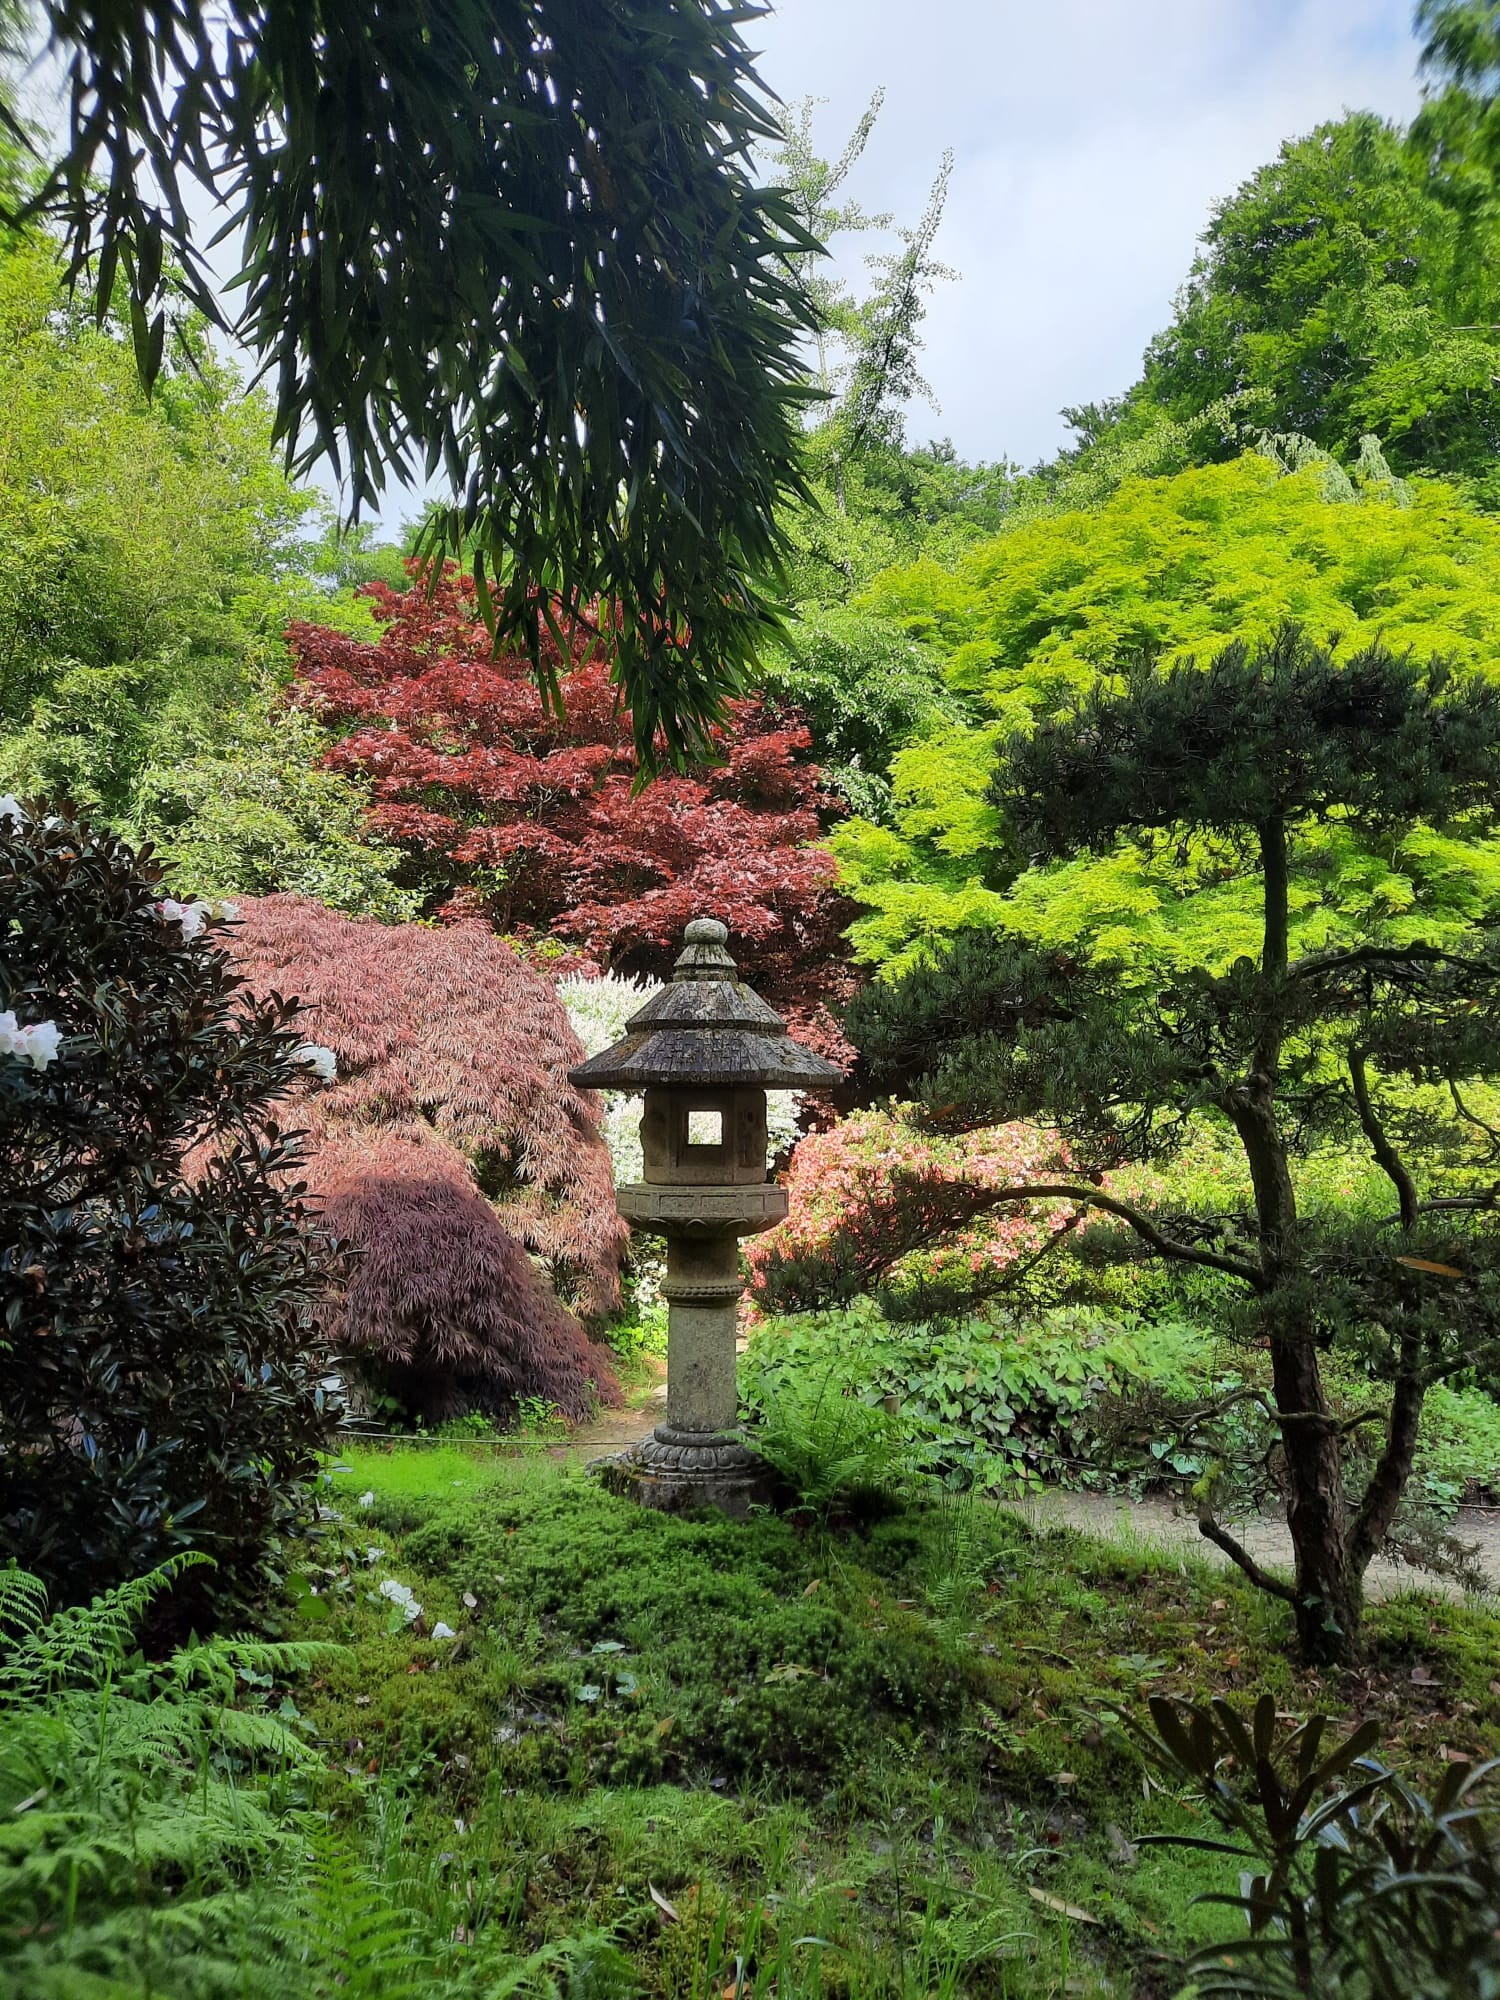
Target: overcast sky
[{"x": 1091, "y": 139}]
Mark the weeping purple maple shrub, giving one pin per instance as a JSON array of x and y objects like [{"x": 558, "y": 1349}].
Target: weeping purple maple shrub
[{"x": 451, "y": 1152}]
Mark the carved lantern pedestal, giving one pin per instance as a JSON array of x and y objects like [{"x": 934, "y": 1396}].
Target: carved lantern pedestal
[{"x": 705, "y": 1051}]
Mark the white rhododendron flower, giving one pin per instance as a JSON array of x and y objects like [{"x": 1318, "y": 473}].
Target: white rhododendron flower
[
  {"x": 37, "y": 1043},
  {"x": 10, "y": 808},
  {"x": 323, "y": 1063},
  {"x": 190, "y": 916},
  {"x": 442, "y": 1631}
]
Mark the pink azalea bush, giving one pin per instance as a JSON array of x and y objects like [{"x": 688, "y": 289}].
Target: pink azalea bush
[{"x": 875, "y": 1202}]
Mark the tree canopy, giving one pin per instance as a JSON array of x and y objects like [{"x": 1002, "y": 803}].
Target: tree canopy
[
  {"x": 1170, "y": 569},
  {"x": 1349, "y": 287},
  {"x": 1257, "y": 747},
  {"x": 537, "y": 822},
  {"x": 518, "y": 245},
  {"x": 151, "y": 552}
]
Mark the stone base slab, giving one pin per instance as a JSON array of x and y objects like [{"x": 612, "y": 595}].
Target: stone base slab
[{"x": 679, "y": 1472}]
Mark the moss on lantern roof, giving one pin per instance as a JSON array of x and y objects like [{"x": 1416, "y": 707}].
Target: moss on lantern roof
[{"x": 707, "y": 1028}]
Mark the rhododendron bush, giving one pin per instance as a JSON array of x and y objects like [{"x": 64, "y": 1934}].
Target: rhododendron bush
[
  {"x": 162, "y": 1388},
  {"x": 447, "y": 1144},
  {"x": 878, "y": 1205},
  {"x": 509, "y": 809}
]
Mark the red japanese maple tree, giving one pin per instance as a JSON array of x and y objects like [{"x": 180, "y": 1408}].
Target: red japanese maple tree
[{"x": 530, "y": 814}]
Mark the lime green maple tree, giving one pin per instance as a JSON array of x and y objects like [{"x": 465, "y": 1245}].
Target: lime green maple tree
[{"x": 1173, "y": 569}]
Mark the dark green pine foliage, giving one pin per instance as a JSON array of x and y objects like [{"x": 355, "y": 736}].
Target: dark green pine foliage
[
  {"x": 514, "y": 244},
  {"x": 1249, "y": 752}
]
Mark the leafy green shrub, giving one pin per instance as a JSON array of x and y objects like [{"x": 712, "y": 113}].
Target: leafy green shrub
[
  {"x": 1079, "y": 1398},
  {"x": 990, "y": 1402},
  {"x": 159, "y": 1384},
  {"x": 832, "y": 1446},
  {"x": 254, "y": 814},
  {"x": 1356, "y": 1884},
  {"x": 1458, "y": 1451}
]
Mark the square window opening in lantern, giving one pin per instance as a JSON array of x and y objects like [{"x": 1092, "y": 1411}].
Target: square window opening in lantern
[{"x": 705, "y": 1128}]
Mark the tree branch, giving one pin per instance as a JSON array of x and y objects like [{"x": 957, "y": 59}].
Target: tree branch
[
  {"x": 1382, "y": 1495},
  {"x": 1470, "y": 1117},
  {"x": 1144, "y": 1227},
  {"x": 1387, "y": 1157},
  {"x": 1372, "y": 958},
  {"x": 1221, "y": 1538}
]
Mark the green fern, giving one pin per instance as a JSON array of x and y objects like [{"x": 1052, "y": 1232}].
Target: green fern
[
  {"x": 153, "y": 1848},
  {"x": 139, "y": 1848}
]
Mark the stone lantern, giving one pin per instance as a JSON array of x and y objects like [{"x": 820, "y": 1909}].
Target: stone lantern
[{"x": 705, "y": 1050}]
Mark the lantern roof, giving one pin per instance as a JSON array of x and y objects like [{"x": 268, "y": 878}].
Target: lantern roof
[{"x": 706, "y": 1027}]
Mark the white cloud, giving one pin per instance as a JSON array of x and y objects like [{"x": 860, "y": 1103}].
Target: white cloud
[{"x": 1092, "y": 139}]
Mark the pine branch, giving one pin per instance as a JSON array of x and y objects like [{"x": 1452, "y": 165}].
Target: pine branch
[
  {"x": 1141, "y": 1223},
  {"x": 1388, "y": 1159},
  {"x": 1221, "y": 1538}
]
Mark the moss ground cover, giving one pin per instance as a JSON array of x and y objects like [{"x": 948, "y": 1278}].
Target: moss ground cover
[{"x": 873, "y": 1762}]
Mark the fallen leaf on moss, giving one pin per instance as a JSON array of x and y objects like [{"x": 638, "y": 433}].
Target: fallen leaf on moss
[{"x": 1061, "y": 1908}]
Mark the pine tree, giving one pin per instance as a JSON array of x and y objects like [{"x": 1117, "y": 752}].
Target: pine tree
[{"x": 1254, "y": 753}]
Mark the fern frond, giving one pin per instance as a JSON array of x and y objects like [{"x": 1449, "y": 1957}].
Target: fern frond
[
  {"x": 83, "y": 1643},
  {"x": 216, "y": 1664},
  {"x": 23, "y": 1604}
]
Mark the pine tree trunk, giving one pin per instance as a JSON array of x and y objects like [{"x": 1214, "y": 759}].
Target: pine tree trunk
[{"x": 1328, "y": 1582}]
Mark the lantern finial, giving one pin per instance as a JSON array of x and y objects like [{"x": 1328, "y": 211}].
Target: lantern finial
[{"x": 703, "y": 954}]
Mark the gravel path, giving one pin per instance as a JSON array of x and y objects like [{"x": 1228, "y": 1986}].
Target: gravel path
[
  {"x": 1152, "y": 1523},
  {"x": 1155, "y": 1524}
]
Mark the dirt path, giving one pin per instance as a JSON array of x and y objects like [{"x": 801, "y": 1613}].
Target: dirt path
[
  {"x": 1151, "y": 1523},
  {"x": 613, "y": 1430}
]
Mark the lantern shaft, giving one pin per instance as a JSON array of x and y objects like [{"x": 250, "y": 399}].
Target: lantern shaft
[{"x": 702, "y": 1291}]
